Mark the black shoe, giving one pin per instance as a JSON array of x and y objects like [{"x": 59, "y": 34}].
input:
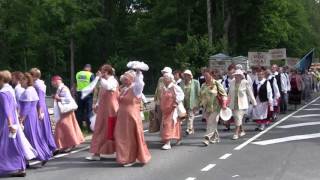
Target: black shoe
[
  {"x": 19, "y": 174},
  {"x": 43, "y": 163}
]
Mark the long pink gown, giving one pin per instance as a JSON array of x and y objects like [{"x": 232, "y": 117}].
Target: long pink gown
[
  {"x": 101, "y": 142},
  {"x": 67, "y": 132},
  {"x": 129, "y": 135},
  {"x": 170, "y": 130}
]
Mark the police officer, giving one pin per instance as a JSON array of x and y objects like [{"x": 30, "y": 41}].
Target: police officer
[{"x": 84, "y": 111}]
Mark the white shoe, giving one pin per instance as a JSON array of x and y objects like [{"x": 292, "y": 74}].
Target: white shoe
[
  {"x": 129, "y": 164},
  {"x": 93, "y": 158},
  {"x": 206, "y": 142},
  {"x": 166, "y": 147},
  {"x": 242, "y": 133},
  {"x": 235, "y": 137}
]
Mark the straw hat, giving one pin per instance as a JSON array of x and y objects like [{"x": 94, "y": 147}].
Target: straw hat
[{"x": 188, "y": 72}]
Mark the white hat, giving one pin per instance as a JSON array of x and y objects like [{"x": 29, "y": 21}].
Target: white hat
[
  {"x": 188, "y": 72},
  {"x": 166, "y": 70},
  {"x": 225, "y": 114},
  {"x": 238, "y": 72}
]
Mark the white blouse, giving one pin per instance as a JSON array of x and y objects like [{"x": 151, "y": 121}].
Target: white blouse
[{"x": 177, "y": 90}]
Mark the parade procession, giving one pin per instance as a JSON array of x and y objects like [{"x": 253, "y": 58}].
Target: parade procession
[
  {"x": 160, "y": 89},
  {"x": 230, "y": 98}
]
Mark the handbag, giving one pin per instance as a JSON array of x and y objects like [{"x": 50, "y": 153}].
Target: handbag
[
  {"x": 181, "y": 110},
  {"x": 220, "y": 99},
  {"x": 67, "y": 107}
]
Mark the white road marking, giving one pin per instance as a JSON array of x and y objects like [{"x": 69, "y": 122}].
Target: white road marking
[
  {"x": 191, "y": 178},
  {"x": 61, "y": 155},
  {"x": 208, "y": 167},
  {"x": 235, "y": 176},
  {"x": 146, "y": 130},
  {"x": 286, "y": 139},
  {"x": 307, "y": 115},
  {"x": 225, "y": 156},
  {"x": 315, "y": 104},
  {"x": 312, "y": 109},
  {"x": 272, "y": 126},
  {"x": 299, "y": 125}
]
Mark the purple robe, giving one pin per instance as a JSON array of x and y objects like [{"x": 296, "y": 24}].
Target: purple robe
[
  {"x": 32, "y": 128},
  {"x": 45, "y": 124},
  {"x": 27, "y": 149},
  {"x": 11, "y": 154}
]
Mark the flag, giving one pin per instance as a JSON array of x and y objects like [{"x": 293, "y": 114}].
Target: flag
[{"x": 305, "y": 63}]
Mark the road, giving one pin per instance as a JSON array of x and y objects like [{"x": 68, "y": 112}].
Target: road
[{"x": 287, "y": 150}]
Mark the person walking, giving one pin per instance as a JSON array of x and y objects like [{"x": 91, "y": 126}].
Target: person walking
[
  {"x": 263, "y": 94},
  {"x": 210, "y": 92},
  {"x": 191, "y": 90},
  {"x": 84, "y": 111},
  {"x": 240, "y": 93},
  {"x": 106, "y": 108},
  {"x": 129, "y": 136},
  {"x": 67, "y": 131},
  {"x": 44, "y": 116},
  {"x": 171, "y": 96},
  {"x": 296, "y": 88},
  {"x": 11, "y": 153},
  {"x": 29, "y": 118}
]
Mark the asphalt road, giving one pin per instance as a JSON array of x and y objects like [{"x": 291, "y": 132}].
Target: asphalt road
[{"x": 281, "y": 152}]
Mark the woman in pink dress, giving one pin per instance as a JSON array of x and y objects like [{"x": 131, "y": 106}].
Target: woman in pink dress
[
  {"x": 67, "y": 131},
  {"x": 106, "y": 108},
  {"x": 129, "y": 135},
  {"x": 171, "y": 96}
]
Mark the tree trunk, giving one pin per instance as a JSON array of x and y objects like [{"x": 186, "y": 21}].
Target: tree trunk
[
  {"x": 72, "y": 62},
  {"x": 209, "y": 21}
]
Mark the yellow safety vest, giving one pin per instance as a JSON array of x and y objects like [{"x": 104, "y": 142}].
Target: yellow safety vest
[{"x": 83, "y": 79}]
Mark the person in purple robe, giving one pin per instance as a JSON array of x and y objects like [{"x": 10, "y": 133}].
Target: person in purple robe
[
  {"x": 11, "y": 154},
  {"x": 30, "y": 119},
  {"x": 28, "y": 150},
  {"x": 43, "y": 113}
]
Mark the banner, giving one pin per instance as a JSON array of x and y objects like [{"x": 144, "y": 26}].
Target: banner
[
  {"x": 305, "y": 62},
  {"x": 278, "y": 53},
  {"x": 259, "y": 58}
]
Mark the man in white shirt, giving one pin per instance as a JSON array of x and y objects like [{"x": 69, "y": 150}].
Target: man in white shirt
[{"x": 283, "y": 85}]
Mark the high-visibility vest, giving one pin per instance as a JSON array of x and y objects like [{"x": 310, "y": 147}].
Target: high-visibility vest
[{"x": 83, "y": 79}]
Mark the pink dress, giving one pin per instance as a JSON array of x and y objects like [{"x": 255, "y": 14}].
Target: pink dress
[
  {"x": 170, "y": 129},
  {"x": 67, "y": 131},
  {"x": 129, "y": 135},
  {"x": 102, "y": 140}
]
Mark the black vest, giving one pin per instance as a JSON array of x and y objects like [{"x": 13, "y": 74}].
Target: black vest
[
  {"x": 271, "y": 84},
  {"x": 278, "y": 78},
  {"x": 263, "y": 93}
]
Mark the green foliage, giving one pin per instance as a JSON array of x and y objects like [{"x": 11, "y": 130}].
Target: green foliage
[
  {"x": 193, "y": 54},
  {"x": 161, "y": 33}
]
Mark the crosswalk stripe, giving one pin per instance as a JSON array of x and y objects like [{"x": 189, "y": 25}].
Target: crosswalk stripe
[
  {"x": 286, "y": 139},
  {"x": 307, "y": 115},
  {"x": 312, "y": 109},
  {"x": 299, "y": 125},
  {"x": 208, "y": 167}
]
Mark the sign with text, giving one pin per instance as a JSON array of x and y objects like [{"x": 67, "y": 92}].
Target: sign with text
[
  {"x": 259, "y": 58},
  {"x": 278, "y": 53}
]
